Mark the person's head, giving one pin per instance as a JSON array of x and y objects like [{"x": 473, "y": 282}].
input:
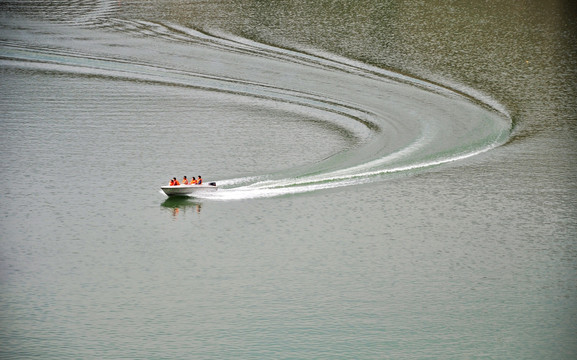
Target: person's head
[
  {"x": 199, "y": 176},
  {"x": 193, "y": 178},
  {"x": 173, "y": 178},
  {"x": 185, "y": 177}
]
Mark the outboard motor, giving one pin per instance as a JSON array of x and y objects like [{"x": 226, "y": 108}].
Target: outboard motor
[{"x": 212, "y": 184}]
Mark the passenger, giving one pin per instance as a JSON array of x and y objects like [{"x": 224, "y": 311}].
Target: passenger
[
  {"x": 185, "y": 181},
  {"x": 171, "y": 182},
  {"x": 199, "y": 182},
  {"x": 193, "y": 181},
  {"x": 176, "y": 183}
]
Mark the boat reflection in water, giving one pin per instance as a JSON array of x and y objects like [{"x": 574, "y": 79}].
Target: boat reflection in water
[{"x": 178, "y": 205}]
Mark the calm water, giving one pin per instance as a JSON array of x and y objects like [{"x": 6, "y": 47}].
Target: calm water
[{"x": 398, "y": 179}]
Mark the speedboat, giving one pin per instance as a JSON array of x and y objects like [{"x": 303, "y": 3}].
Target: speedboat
[{"x": 184, "y": 190}]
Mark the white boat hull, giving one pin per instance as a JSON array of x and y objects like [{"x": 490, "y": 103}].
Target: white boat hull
[{"x": 184, "y": 190}]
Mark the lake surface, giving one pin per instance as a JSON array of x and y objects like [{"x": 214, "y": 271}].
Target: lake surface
[{"x": 397, "y": 179}]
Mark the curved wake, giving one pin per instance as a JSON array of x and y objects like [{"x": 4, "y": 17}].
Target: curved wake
[{"x": 401, "y": 124}]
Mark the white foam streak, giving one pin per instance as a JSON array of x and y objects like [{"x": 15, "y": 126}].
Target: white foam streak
[{"x": 288, "y": 186}]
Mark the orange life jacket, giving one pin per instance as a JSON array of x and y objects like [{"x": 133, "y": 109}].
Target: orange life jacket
[
  {"x": 176, "y": 182},
  {"x": 193, "y": 181},
  {"x": 184, "y": 181},
  {"x": 171, "y": 183}
]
